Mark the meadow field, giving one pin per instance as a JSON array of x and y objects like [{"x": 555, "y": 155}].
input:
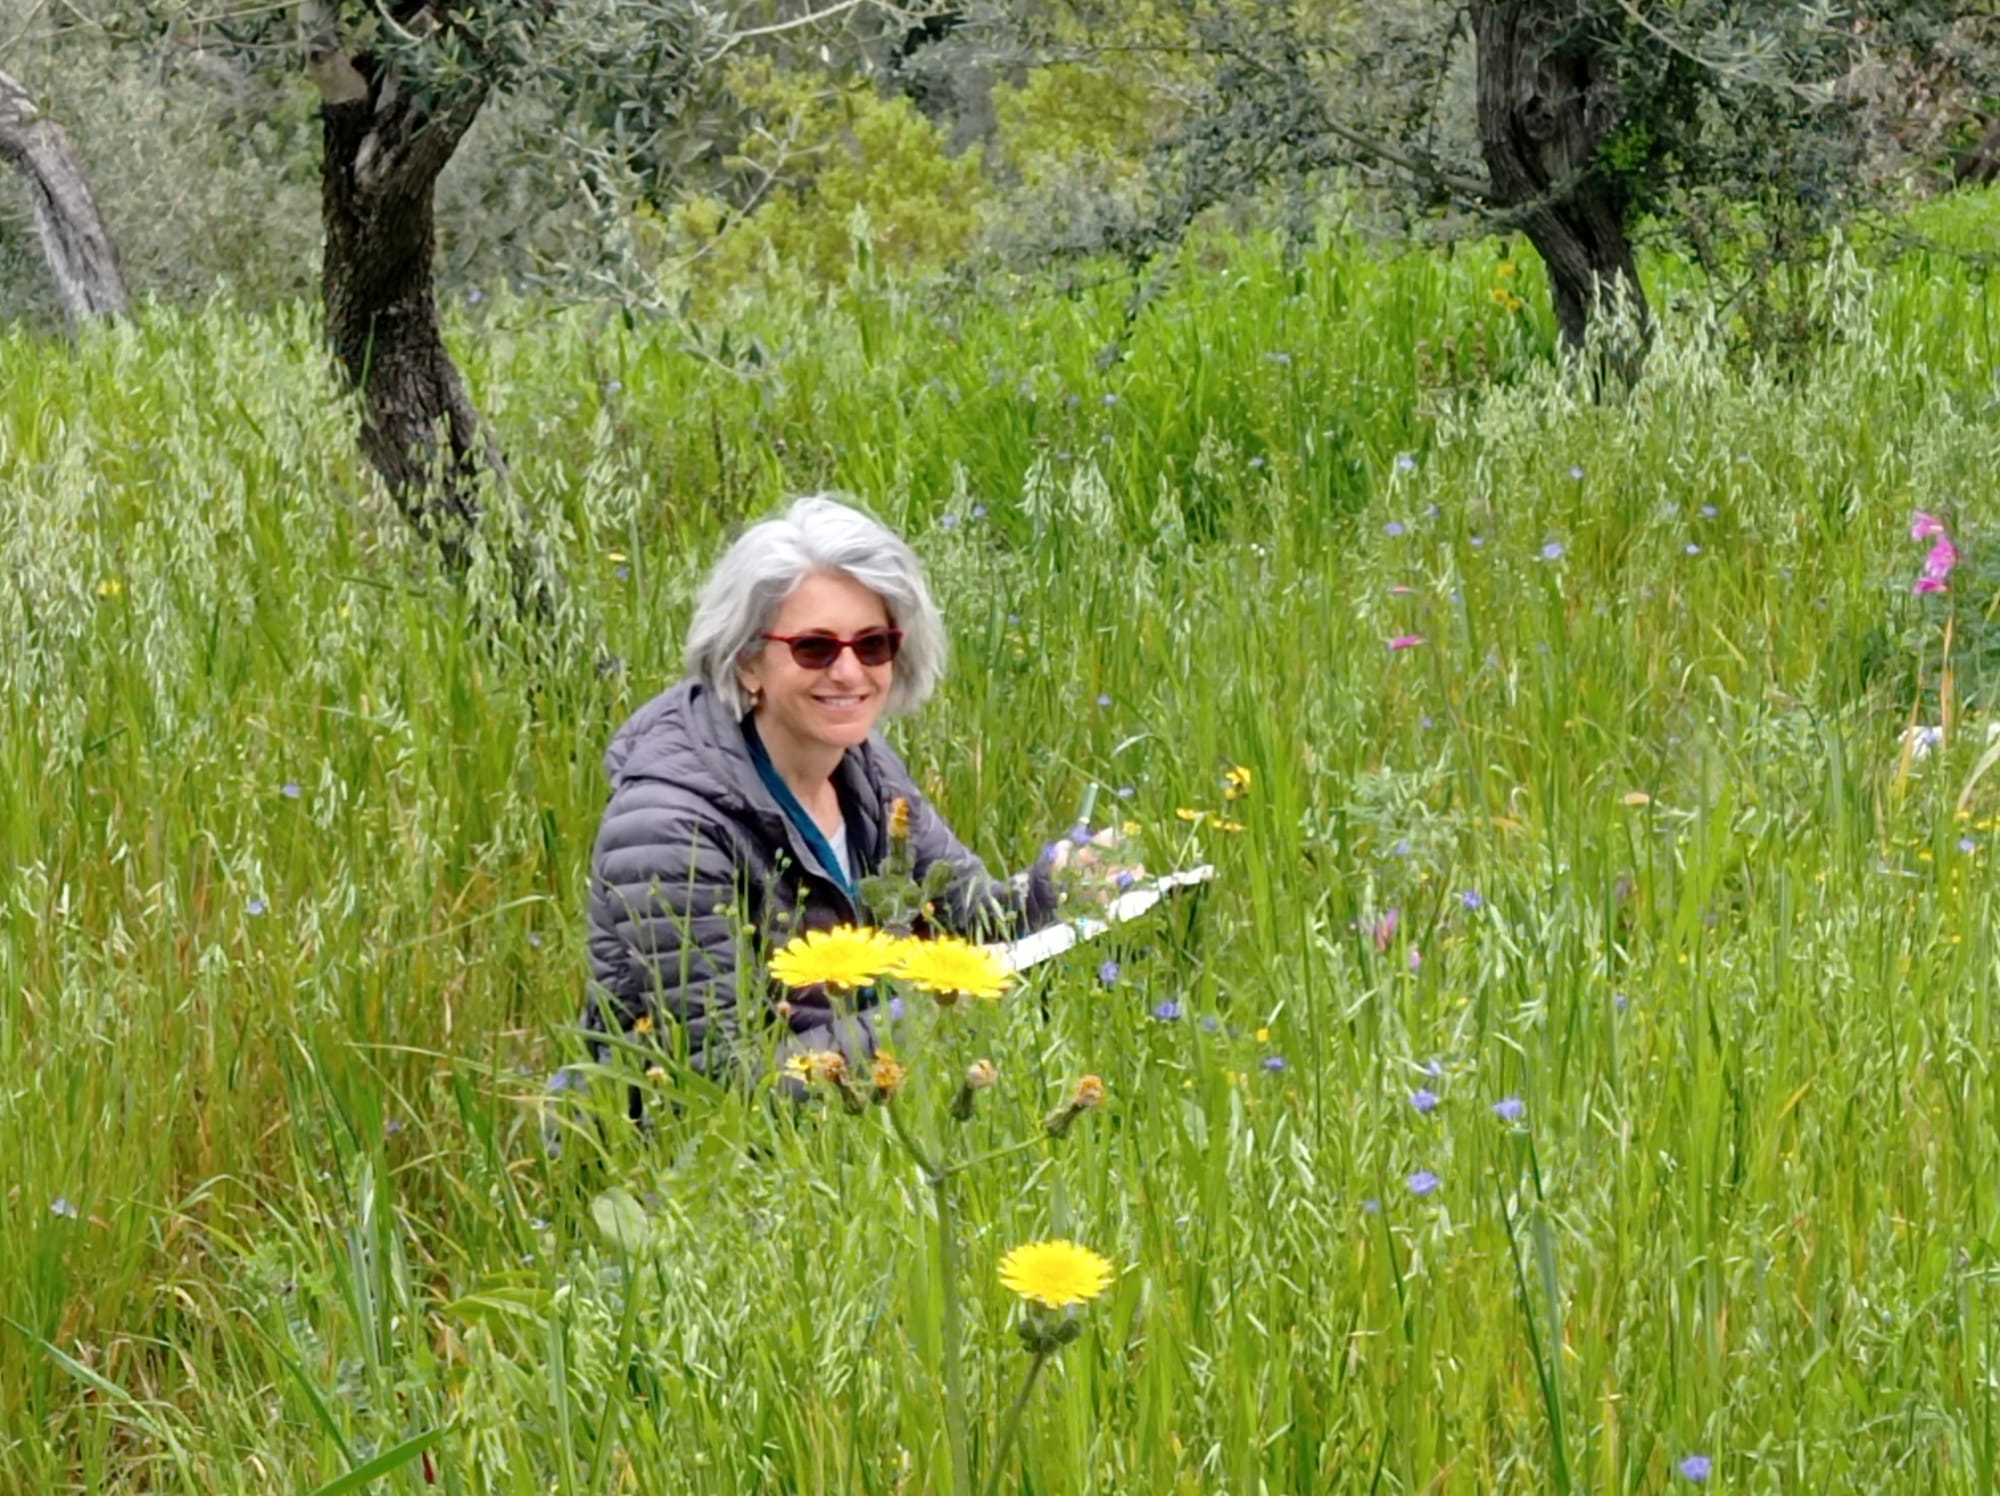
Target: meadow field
[{"x": 1578, "y": 1078}]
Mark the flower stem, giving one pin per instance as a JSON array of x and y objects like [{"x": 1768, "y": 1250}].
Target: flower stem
[
  {"x": 1013, "y": 1423},
  {"x": 986, "y": 1158},
  {"x": 952, "y": 1336}
]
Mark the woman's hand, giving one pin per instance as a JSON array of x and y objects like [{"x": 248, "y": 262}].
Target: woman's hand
[{"x": 1093, "y": 872}]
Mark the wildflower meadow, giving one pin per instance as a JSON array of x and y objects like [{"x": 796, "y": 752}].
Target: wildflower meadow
[{"x": 1576, "y": 1076}]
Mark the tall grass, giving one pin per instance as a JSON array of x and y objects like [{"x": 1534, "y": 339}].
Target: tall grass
[{"x": 296, "y": 855}]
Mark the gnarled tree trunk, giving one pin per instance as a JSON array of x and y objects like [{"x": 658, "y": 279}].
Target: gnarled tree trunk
[
  {"x": 1546, "y": 102},
  {"x": 80, "y": 252},
  {"x": 420, "y": 430}
]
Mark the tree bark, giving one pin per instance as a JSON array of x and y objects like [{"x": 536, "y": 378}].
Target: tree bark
[
  {"x": 79, "y": 248},
  {"x": 1546, "y": 103},
  {"x": 1979, "y": 166},
  {"x": 419, "y": 430}
]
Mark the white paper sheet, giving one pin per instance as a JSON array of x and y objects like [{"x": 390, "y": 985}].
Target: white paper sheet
[{"x": 1032, "y": 950}]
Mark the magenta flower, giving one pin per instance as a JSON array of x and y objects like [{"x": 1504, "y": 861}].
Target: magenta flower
[
  {"x": 1925, "y": 526},
  {"x": 1385, "y": 929},
  {"x": 1943, "y": 557},
  {"x": 1925, "y": 585},
  {"x": 1406, "y": 641}
]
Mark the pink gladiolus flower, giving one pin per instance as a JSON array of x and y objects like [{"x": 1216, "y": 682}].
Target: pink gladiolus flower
[
  {"x": 1406, "y": 641},
  {"x": 1925, "y": 525},
  {"x": 1943, "y": 557},
  {"x": 1924, "y": 585}
]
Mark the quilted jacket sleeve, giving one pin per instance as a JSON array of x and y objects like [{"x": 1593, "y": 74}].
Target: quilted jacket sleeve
[{"x": 666, "y": 922}]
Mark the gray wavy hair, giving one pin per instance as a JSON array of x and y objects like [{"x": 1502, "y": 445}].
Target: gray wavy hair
[{"x": 757, "y": 573}]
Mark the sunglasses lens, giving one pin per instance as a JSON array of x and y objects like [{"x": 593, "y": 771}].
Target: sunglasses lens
[
  {"x": 815, "y": 651},
  {"x": 877, "y": 647}
]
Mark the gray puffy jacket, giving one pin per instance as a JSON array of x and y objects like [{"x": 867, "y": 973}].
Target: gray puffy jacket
[{"x": 698, "y": 874}]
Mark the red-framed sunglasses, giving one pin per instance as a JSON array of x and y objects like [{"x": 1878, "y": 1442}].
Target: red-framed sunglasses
[{"x": 818, "y": 650}]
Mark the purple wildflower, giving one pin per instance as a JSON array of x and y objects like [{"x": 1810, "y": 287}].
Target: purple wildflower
[
  {"x": 1425, "y": 1100},
  {"x": 1708, "y": 511},
  {"x": 1576, "y": 470},
  {"x": 979, "y": 511},
  {"x": 1405, "y": 463},
  {"x": 1967, "y": 844},
  {"x": 1372, "y": 1206},
  {"x": 1925, "y": 526},
  {"x": 1274, "y": 1063},
  {"x": 1256, "y": 462},
  {"x": 1696, "y": 1467},
  {"x": 950, "y": 522},
  {"x": 1472, "y": 899},
  {"x": 1416, "y": 960},
  {"x": 291, "y": 790},
  {"x": 1405, "y": 641},
  {"x": 1393, "y": 528},
  {"x": 1423, "y": 1183},
  {"x": 1384, "y": 929},
  {"x": 1510, "y": 1108},
  {"x": 1553, "y": 551},
  {"x": 1125, "y": 879},
  {"x": 1108, "y": 973},
  {"x": 897, "y": 1007},
  {"x": 1104, "y": 701},
  {"x": 63, "y": 1207},
  {"x": 1475, "y": 541},
  {"x": 1168, "y": 1011},
  {"x": 255, "y": 906}
]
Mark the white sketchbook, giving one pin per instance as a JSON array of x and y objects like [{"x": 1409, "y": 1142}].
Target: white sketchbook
[{"x": 1032, "y": 950}]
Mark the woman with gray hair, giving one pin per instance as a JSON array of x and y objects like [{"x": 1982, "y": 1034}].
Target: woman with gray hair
[{"x": 749, "y": 802}]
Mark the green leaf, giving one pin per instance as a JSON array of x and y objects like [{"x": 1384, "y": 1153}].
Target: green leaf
[{"x": 381, "y": 1465}]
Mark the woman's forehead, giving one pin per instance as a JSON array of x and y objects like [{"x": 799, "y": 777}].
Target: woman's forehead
[{"x": 830, "y": 599}]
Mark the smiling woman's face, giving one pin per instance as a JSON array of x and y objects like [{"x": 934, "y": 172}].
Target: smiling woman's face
[{"x": 804, "y": 712}]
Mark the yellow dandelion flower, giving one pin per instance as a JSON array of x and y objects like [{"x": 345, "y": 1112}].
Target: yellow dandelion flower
[
  {"x": 816, "y": 1065},
  {"x": 1236, "y": 783},
  {"x": 844, "y": 956},
  {"x": 950, "y": 967},
  {"x": 1056, "y": 1274},
  {"x": 614, "y": 556},
  {"x": 1222, "y": 825},
  {"x": 110, "y": 587},
  {"x": 1505, "y": 268},
  {"x": 644, "y": 1024},
  {"x": 1196, "y": 816}
]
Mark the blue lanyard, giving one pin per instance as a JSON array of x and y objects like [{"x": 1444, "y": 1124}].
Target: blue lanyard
[{"x": 804, "y": 824}]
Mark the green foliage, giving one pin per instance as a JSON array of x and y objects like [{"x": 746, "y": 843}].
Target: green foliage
[
  {"x": 848, "y": 179},
  {"x": 277, "y": 1209}
]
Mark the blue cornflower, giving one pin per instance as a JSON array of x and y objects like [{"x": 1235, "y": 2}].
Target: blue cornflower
[
  {"x": 1080, "y": 832},
  {"x": 1110, "y": 398},
  {"x": 1708, "y": 511},
  {"x": 1274, "y": 1063},
  {"x": 622, "y": 572},
  {"x": 1167, "y": 1011},
  {"x": 1424, "y": 1100},
  {"x": 62, "y": 1206},
  {"x": 255, "y": 906},
  {"x": 1256, "y": 462},
  {"x": 1126, "y": 792},
  {"x": 1125, "y": 879},
  {"x": 1472, "y": 899},
  {"x": 897, "y": 1007},
  {"x": 950, "y": 522},
  {"x": 1553, "y": 551},
  {"x": 291, "y": 790},
  {"x": 1696, "y": 1467},
  {"x": 1967, "y": 844},
  {"x": 1576, "y": 470},
  {"x": 979, "y": 511},
  {"x": 1405, "y": 463},
  {"x": 1434, "y": 1069},
  {"x": 1424, "y": 1182},
  {"x": 1108, "y": 972},
  {"x": 1372, "y": 1205},
  {"x": 1692, "y": 549},
  {"x": 1510, "y": 1108},
  {"x": 1620, "y": 1001},
  {"x": 1104, "y": 701},
  {"x": 1393, "y": 528},
  {"x": 1475, "y": 541}
]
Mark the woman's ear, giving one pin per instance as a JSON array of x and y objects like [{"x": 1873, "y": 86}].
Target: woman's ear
[{"x": 750, "y": 674}]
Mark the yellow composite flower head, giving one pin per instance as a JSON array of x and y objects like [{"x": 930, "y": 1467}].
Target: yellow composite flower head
[
  {"x": 948, "y": 966},
  {"x": 845, "y": 956},
  {"x": 1056, "y": 1274}
]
